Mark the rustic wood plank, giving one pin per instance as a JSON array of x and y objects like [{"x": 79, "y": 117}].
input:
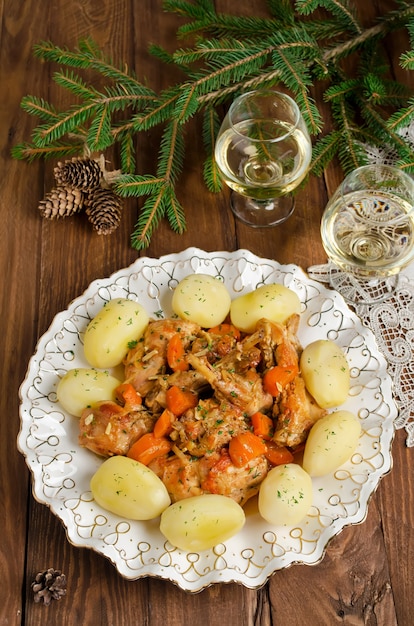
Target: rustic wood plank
[
  {"x": 397, "y": 518},
  {"x": 366, "y": 576},
  {"x": 19, "y": 234},
  {"x": 79, "y": 256}
]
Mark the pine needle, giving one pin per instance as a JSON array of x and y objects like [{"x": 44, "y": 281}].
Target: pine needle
[{"x": 293, "y": 49}]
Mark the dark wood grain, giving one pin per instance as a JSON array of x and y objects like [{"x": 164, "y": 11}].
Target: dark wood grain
[{"x": 366, "y": 576}]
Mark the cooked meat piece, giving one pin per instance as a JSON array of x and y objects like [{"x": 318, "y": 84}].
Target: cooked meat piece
[
  {"x": 108, "y": 429},
  {"x": 296, "y": 412},
  {"x": 141, "y": 371},
  {"x": 278, "y": 342},
  {"x": 181, "y": 476},
  {"x": 215, "y": 345},
  {"x": 148, "y": 359},
  {"x": 185, "y": 477},
  {"x": 208, "y": 427},
  {"x": 238, "y": 483},
  {"x": 192, "y": 380},
  {"x": 244, "y": 390}
]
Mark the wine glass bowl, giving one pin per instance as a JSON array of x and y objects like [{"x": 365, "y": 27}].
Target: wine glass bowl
[
  {"x": 263, "y": 151},
  {"x": 367, "y": 231}
]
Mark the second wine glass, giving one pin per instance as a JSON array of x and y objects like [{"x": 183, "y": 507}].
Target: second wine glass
[
  {"x": 263, "y": 152},
  {"x": 367, "y": 231}
]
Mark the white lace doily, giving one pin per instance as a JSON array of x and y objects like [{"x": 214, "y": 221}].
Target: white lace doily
[
  {"x": 391, "y": 321},
  {"x": 386, "y": 154}
]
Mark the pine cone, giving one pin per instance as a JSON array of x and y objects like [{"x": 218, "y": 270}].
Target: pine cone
[
  {"x": 61, "y": 202},
  {"x": 103, "y": 209},
  {"x": 49, "y": 585},
  {"x": 81, "y": 173}
]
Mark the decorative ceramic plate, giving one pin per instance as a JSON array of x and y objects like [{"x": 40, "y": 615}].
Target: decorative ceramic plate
[{"x": 62, "y": 470}]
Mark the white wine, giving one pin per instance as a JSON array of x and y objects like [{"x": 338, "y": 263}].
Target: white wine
[
  {"x": 263, "y": 159},
  {"x": 369, "y": 233}
]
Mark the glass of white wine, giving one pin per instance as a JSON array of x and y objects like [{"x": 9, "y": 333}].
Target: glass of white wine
[
  {"x": 367, "y": 231},
  {"x": 263, "y": 152}
]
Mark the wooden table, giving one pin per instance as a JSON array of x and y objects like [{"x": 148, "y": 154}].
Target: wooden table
[{"x": 367, "y": 574}]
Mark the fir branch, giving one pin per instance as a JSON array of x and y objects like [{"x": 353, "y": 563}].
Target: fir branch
[
  {"x": 344, "y": 12},
  {"x": 137, "y": 185},
  {"x": 150, "y": 215},
  {"x": 40, "y": 108},
  {"x": 89, "y": 47},
  {"x": 209, "y": 49},
  {"x": 99, "y": 135},
  {"x": 160, "y": 112},
  {"x": 390, "y": 22},
  {"x": 171, "y": 154},
  {"x": 230, "y": 55},
  {"x": 224, "y": 71},
  {"x": 323, "y": 152},
  {"x": 282, "y": 10},
  {"x": 383, "y": 131},
  {"x": 211, "y": 126},
  {"x": 88, "y": 56},
  {"x": 407, "y": 60},
  {"x": 201, "y": 9},
  {"x": 67, "y": 122},
  {"x": 174, "y": 210},
  {"x": 29, "y": 152},
  {"x": 47, "y": 51},
  {"x": 206, "y": 20},
  {"x": 127, "y": 152},
  {"x": 75, "y": 84},
  {"x": 161, "y": 200},
  {"x": 186, "y": 104},
  {"x": 401, "y": 118}
]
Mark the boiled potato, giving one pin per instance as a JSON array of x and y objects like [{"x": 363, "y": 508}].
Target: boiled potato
[
  {"x": 107, "y": 336},
  {"x": 202, "y": 299},
  {"x": 274, "y": 302},
  {"x": 129, "y": 489},
  {"x": 325, "y": 371},
  {"x": 82, "y": 387},
  {"x": 201, "y": 522},
  {"x": 331, "y": 441},
  {"x": 285, "y": 495}
]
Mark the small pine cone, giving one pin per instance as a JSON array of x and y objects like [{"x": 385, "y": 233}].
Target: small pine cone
[
  {"x": 49, "y": 585},
  {"x": 61, "y": 202},
  {"x": 80, "y": 172},
  {"x": 103, "y": 209}
]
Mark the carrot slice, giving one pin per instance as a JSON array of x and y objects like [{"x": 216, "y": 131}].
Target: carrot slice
[
  {"x": 176, "y": 354},
  {"x": 277, "y": 455},
  {"x": 164, "y": 424},
  {"x": 245, "y": 447},
  {"x": 126, "y": 394},
  {"x": 180, "y": 400},
  {"x": 148, "y": 448},
  {"x": 277, "y": 377},
  {"x": 262, "y": 425}
]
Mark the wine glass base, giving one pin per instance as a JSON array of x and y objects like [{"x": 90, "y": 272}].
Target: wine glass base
[
  {"x": 262, "y": 214},
  {"x": 362, "y": 291}
]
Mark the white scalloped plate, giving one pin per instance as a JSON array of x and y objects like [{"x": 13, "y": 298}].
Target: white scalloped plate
[{"x": 62, "y": 470}]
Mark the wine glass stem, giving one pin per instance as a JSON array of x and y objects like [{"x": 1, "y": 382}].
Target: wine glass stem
[{"x": 262, "y": 213}]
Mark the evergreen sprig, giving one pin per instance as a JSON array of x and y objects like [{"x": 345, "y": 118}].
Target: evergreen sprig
[{"x": 229, "y": 54}]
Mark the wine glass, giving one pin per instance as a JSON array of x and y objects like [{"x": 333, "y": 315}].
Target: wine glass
[
  {"x": 263, "y": 152},
  {"x": 367, "y": 232}
]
